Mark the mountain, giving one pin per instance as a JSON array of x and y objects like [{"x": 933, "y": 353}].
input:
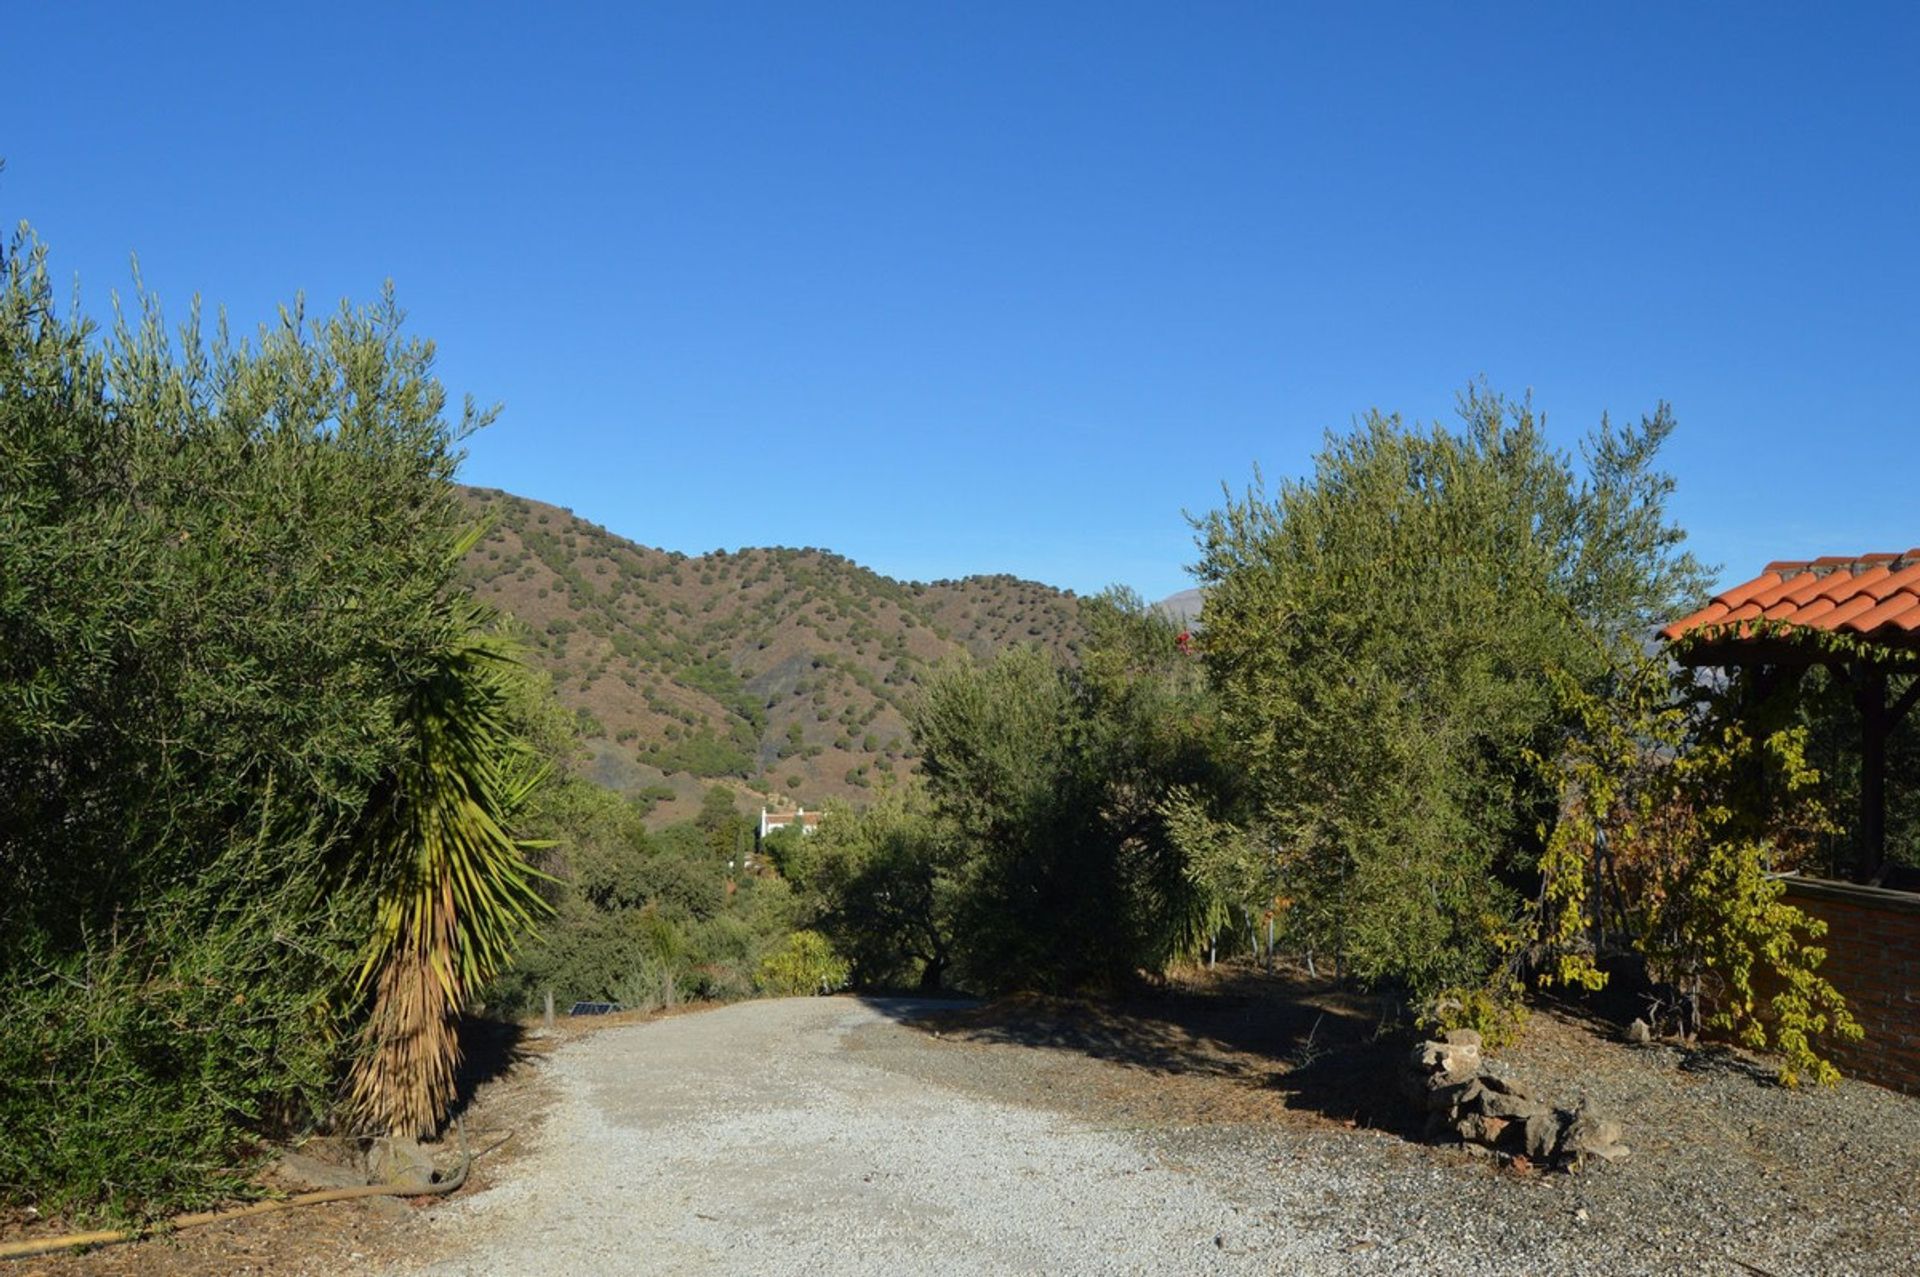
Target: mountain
[
  {"x": 784, "y": 673},
  {"x": 1183, "y": 607}
]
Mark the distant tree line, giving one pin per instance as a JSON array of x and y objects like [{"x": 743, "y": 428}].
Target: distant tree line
[{"x": 648, "y": 918}]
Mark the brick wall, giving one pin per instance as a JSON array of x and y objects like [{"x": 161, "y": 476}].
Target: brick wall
[{"x": 1873, "y": 958}]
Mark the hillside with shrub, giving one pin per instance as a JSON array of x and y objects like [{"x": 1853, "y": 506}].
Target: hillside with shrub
[{"x": 778, "y": 671}]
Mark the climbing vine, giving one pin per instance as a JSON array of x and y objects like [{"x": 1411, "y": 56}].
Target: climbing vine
[{"x": 1675, "y": 818}]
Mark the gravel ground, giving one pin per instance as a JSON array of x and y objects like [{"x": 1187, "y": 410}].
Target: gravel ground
[
  {"x": 757, "y": 1138},
  {"x": 835, "y": 1136}
]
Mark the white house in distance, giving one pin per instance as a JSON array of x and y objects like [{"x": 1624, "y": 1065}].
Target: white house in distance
[{"x": 773, "y": 818}]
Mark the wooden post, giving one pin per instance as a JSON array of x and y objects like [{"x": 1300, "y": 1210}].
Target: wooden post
[
  {"x": 1870, "y": 695},
  {"x": 549, "y": 1008}
]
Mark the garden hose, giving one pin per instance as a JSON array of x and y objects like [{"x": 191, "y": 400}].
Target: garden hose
[{"x": 108, "y": 1237}]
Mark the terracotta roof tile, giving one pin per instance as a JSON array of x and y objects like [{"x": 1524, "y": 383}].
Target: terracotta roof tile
[
  {"x": 1860, "y": 594},
  {"x": 1741, "y": 593},
  {"x": 1707, "y": 615},
  {"x": 1774, "y": 593},
  {"x": 1845, "y": 585},
  {"x": 1858, "y": 605},
  {"x": 1803, "y": 588},
  {"x": 1886, "y": 612},
  {"x": 1907, "y": 578}
]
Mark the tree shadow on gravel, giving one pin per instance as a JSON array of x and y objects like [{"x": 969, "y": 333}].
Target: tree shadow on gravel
[
  {"x": 1357, "y": 1085},
  {"x": 1627, "y": 995},
  {"x": 488, "y": 1049},
  {"x": 1717, "y": 1059},
  {"x": 1303, "y": 1041},
  {"x": 916, "y": 1008}
]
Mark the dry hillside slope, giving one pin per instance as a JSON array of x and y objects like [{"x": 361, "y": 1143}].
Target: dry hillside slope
[{"x": 778, "y": 671}]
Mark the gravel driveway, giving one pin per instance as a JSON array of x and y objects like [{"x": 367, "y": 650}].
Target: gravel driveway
[
  {"x": 821, "y": 1136},
  {"x": 757, "y": 1138}
]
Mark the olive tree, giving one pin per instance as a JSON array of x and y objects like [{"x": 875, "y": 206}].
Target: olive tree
[{"x": 1381, "y": 635}]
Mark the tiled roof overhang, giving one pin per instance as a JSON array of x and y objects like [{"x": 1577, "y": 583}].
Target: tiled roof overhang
[{"x": 1871, "y": 596}]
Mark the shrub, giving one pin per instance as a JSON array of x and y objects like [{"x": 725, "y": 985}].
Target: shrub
[
  {"x": 1496, "y": 1011},
  {"x": 805, "y": 964},
  {"x": 131, "y": 1070}
]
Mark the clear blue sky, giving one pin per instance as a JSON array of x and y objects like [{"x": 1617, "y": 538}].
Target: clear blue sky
[{"x": 1005, "y": 287}]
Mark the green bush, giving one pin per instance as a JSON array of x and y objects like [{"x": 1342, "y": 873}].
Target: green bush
[
  {"x": 1050, "y": 782},
  {"x": 130, "y": 1071},
  {"x": 806, "y": 964},
  {"x": 1497, "y": 1011}
]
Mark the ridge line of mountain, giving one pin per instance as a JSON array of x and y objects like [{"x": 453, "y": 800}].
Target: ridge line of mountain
[{"x": 783, "y": 673}]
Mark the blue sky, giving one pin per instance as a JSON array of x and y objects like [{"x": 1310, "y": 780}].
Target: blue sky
[{"x": 1007, "y": 287}]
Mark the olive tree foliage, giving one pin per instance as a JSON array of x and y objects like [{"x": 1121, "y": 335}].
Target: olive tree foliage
[
  {"x": 224, "y": 562},
  {"x": 1036, "y": 851},
  {"x": 1154, "y": 733},
  {"x": 227, "y": 572},
  {"x": 1381, "y": 635},
  {"x": 886, "y": 886},
  {"x": 1052, "y": 781}
]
